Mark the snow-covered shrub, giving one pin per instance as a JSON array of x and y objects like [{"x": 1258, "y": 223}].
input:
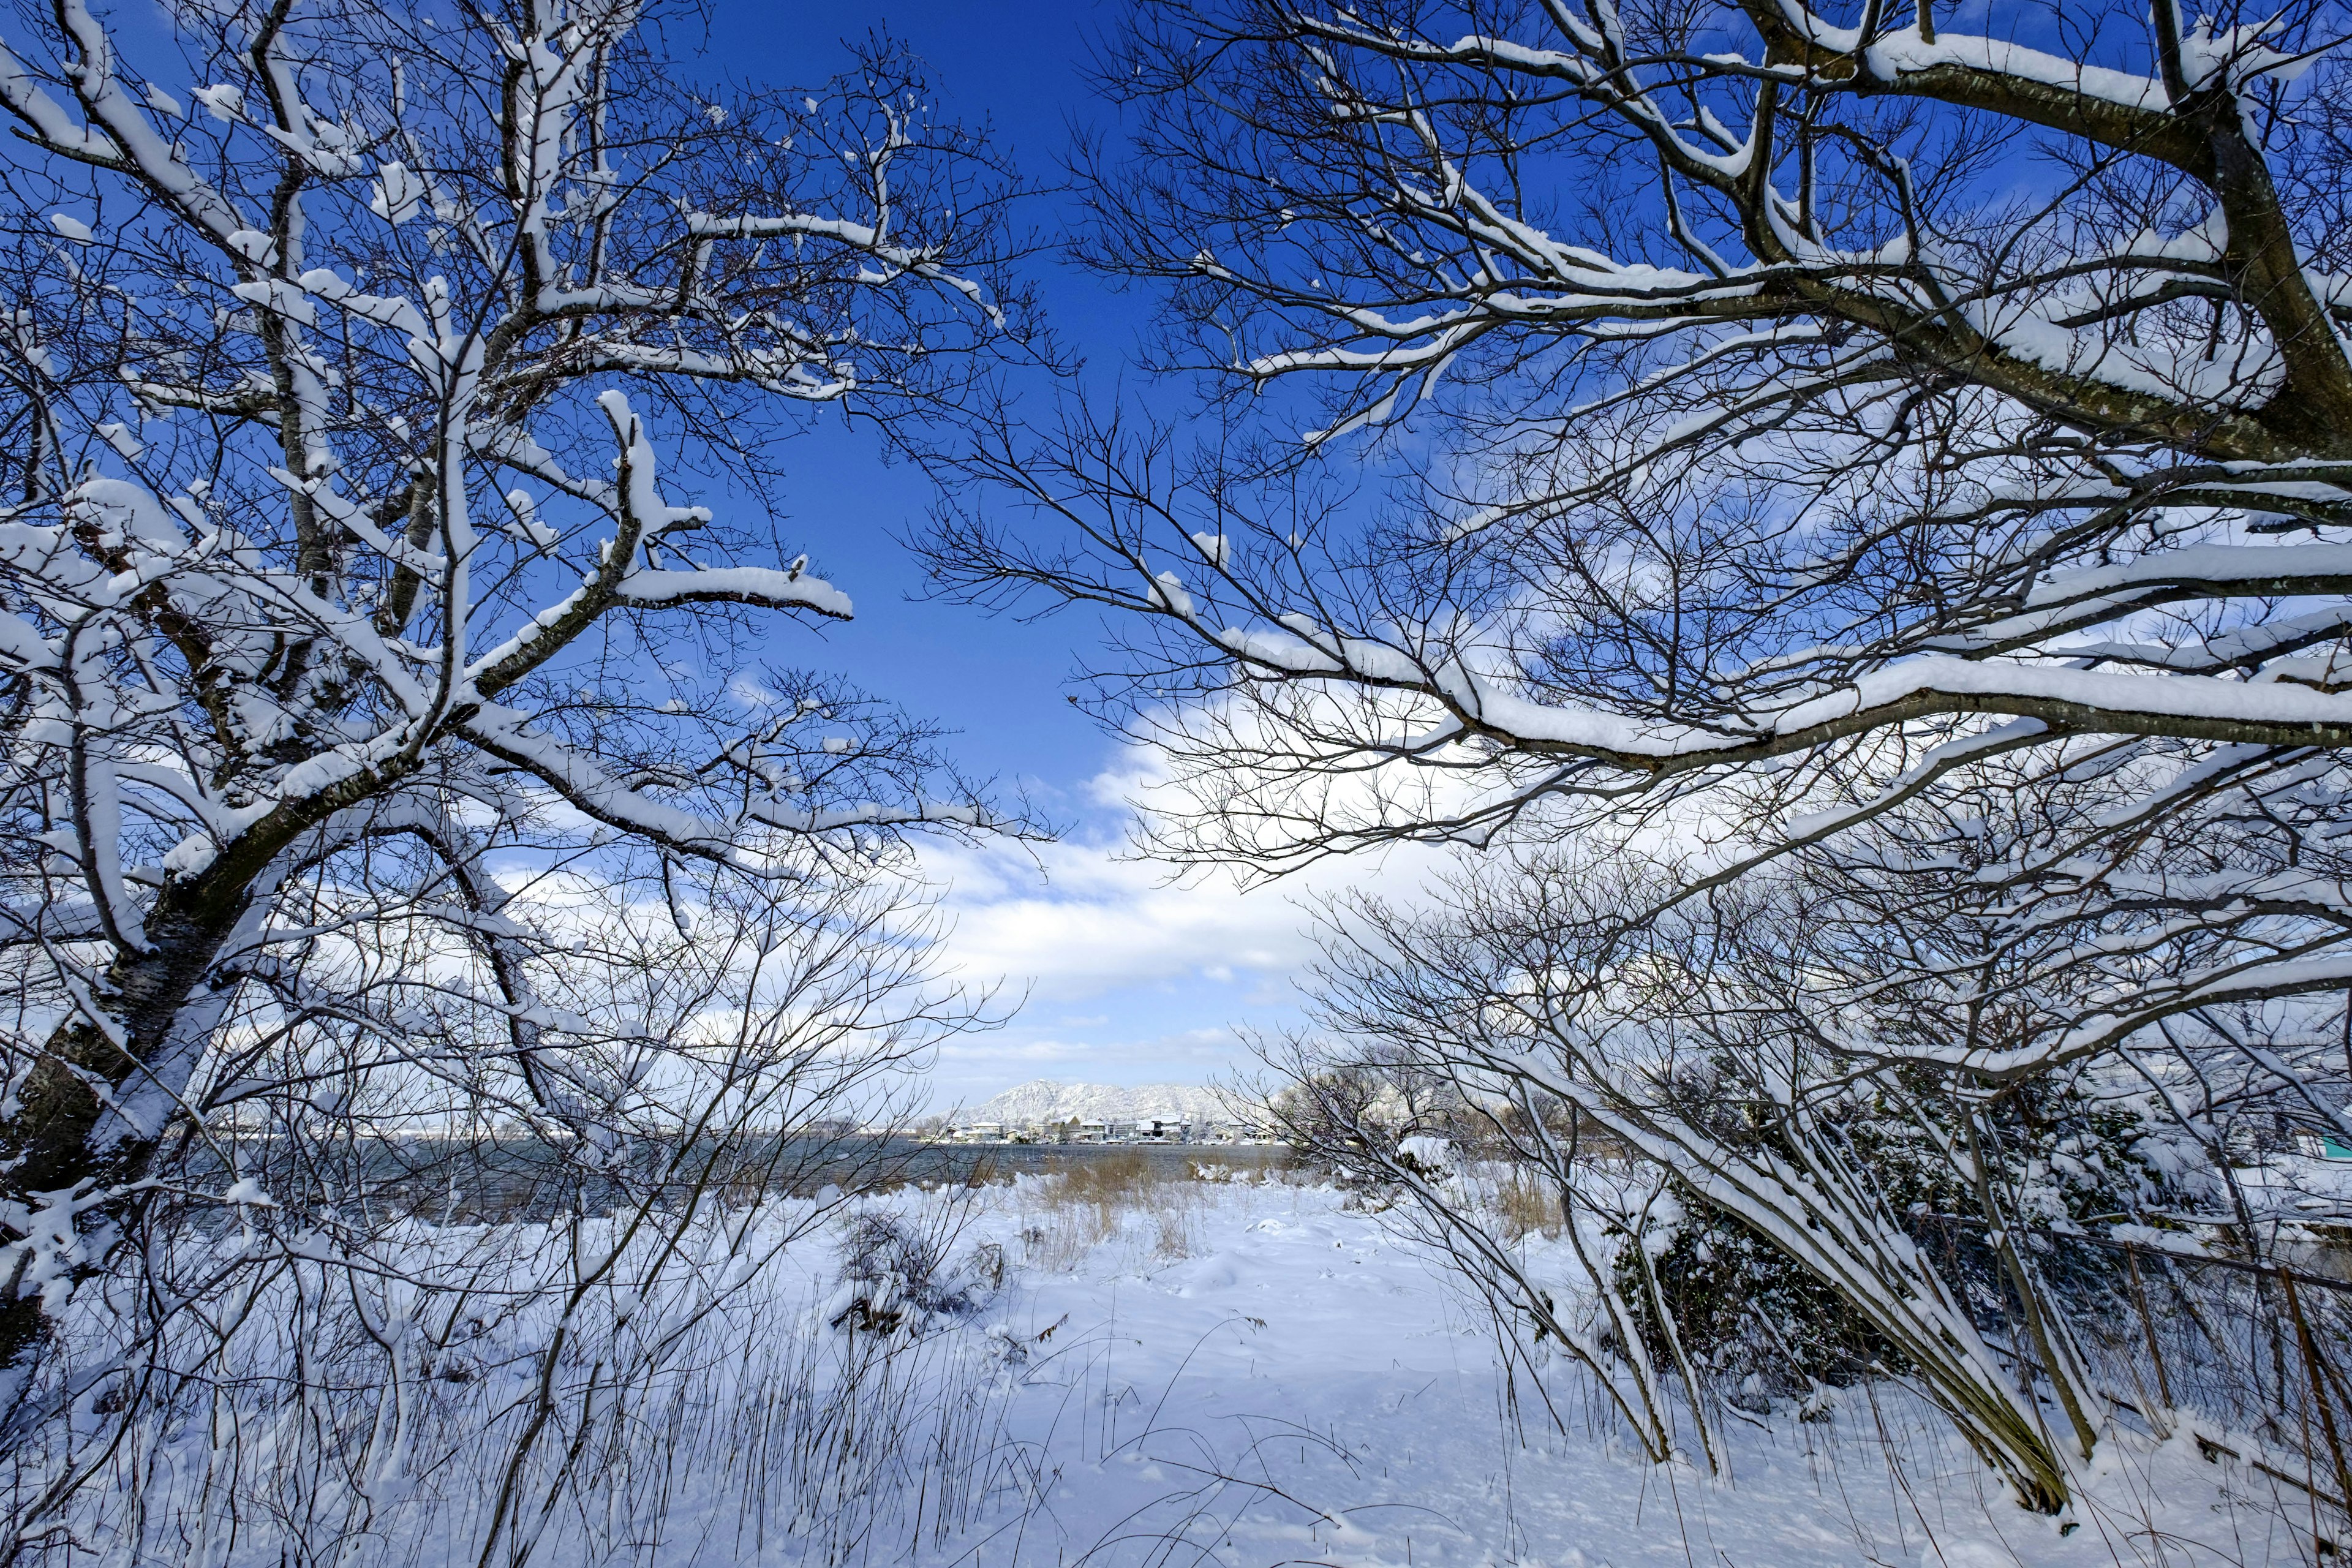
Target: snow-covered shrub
[
  {"x": 2070, "y": 1150},
  {"x": 895, "y": 1274},
  {"x": 1755, "y": 1321},
  {"x": 1433, "y": 1159},
  {"x": 1756, "y": 1077}
]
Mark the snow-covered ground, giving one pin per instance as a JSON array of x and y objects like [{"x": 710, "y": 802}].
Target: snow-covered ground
[
  {"x": 1261, "y": 1375},
  {"x": 1104, "y": 1369}
]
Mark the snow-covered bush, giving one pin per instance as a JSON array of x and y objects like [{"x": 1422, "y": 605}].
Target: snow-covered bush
[
  {"x": 1750, "y": 1095},
  {"x": 1760, "y": 1326},
  {"x": 2077, "y": 1150},
  {"x": 895, "y": 1276}
]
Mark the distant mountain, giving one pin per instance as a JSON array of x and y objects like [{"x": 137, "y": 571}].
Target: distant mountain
[{"x": 1044, "y": 1100}]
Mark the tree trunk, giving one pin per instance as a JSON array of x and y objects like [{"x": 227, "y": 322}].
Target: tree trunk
[{"x": 67, "y": 1136}]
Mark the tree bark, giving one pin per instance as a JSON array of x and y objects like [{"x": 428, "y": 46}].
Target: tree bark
[{"x": 63, "y": 1140}]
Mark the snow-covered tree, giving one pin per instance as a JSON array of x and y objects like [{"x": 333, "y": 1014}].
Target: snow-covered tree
[
  {"x": 1787, "y": 409},
  {"x": 357, "y": 358},
  {"x": 1679, "y": 442}
]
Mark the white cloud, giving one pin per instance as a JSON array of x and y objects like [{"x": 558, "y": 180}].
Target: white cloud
[
  {"x": 1077, "y": 921},
  {"x": 1130, "y": 977}
]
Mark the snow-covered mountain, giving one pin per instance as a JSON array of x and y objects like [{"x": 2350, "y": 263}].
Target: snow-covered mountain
[{"x": 1045, "y": 1100}]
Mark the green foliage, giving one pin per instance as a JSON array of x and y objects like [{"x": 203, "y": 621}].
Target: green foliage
[{"x": 2066, "y": 1151}]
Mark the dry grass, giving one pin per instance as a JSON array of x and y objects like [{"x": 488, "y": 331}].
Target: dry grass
[
  {"x": 1108, "y": 1181},
  {"x": 1156, "y": 1207},
  {"x": 1527, "y": 1205}
]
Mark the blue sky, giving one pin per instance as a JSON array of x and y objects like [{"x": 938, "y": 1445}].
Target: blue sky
[
  {"x": 1127, "y": 978},
  {"x": 1001, "y": 682}
]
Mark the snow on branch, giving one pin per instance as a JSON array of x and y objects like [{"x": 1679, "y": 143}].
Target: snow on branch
[{"x": 310, "y": 621}]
